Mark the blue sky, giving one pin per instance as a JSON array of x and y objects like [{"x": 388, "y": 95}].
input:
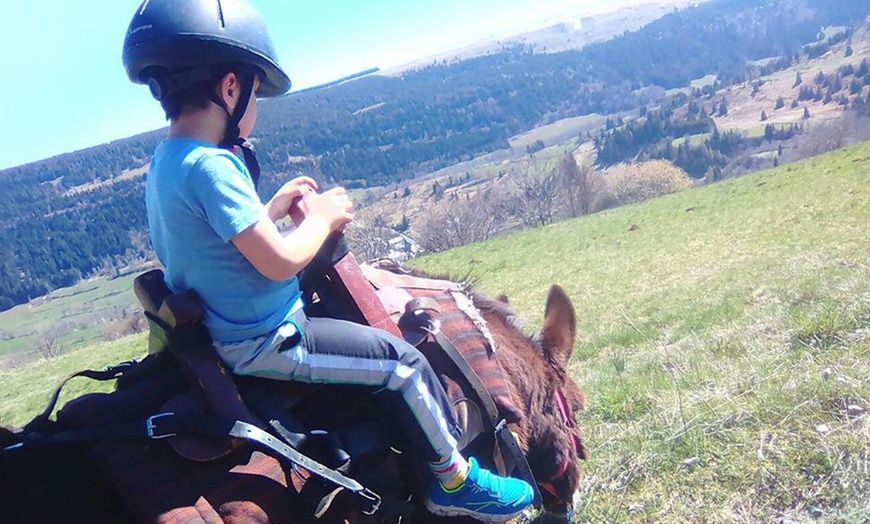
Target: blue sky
[{"x": 63, "y": 87}]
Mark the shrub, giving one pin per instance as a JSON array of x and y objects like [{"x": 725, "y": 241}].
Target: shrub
[
  {"x": 131, "y": 322},
  {"x": 629, "y": 183}
]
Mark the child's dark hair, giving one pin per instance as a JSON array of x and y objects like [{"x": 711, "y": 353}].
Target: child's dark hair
[
  {"x": 198, "y": 95},
  {"x": 189, "y": 99}
]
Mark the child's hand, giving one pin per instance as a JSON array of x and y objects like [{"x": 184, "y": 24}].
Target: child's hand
[
  {"x": 334, "y": 207},
  {"x": 285, "y": 199}
]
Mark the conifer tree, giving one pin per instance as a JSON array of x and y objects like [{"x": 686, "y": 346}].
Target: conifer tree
[{"x": 403, "y": 225}]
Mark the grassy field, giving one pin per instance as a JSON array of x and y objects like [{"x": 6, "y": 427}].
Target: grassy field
[
  {"x": 25, "y": 392},
  {"x": 758, "y": 131},
  {"x": 694, "y": 140},
  {"x": 559, "y": 131},
  {"x": 724, "y": 344},
  {"x": 76, "y": 311}
]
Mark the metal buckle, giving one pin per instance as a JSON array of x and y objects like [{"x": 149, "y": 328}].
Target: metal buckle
[
  {"x": 373, "y": 498},
  {"x": 150, "y": 427},
  {"x": 122, "y": 367}
]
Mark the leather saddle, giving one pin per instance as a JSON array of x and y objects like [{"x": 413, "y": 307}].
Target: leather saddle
[{"x": 176, "y": 326}]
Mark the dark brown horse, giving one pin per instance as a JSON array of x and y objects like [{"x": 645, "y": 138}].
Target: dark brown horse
[{"x": 249, "y": 486}]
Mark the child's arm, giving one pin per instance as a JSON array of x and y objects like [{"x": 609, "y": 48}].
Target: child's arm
[{"x": 280, "y": 258}]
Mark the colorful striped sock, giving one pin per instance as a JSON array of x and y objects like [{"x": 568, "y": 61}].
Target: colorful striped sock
[{"x": 451, "y": 471}]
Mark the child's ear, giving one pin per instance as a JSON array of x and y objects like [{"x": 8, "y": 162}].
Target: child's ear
[{"x": 229, "y": 90}]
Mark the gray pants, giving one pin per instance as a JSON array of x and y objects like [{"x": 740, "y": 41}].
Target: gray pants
[{"x": 330, "y": 351}]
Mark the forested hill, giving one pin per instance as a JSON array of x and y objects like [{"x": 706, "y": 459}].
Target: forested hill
[{"x": 63, "y": 217}]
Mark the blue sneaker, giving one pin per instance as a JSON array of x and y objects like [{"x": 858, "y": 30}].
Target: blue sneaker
[{"x": 483, "y": 496}]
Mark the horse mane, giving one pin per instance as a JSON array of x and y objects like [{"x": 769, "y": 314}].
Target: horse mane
[{"x": 503, "y": 311}]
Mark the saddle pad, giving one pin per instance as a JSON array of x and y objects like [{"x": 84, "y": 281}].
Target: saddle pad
[
  {"x": 474, "y": 342},
  {"x": 460, "y": 322}
]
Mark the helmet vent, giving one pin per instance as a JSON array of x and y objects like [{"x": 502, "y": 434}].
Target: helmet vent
[{"x": 221, "y": 15}]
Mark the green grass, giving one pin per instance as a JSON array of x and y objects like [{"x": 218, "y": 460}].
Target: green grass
[
  {"x": 25, "y": 392},
  {"x": 568, "y": 126},
  {"x": 694, "y": 140},
  {"x": 758, "y": 131},
  {"x": 724, "y": 344}
]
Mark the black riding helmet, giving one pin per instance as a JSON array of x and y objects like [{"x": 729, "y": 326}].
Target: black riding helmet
[
  {"x": 174, "y": 44},
  {"x": 171, "y": 36}
]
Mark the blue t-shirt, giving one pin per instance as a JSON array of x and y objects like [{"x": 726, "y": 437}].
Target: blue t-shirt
[{"x": 198, "y": 198}]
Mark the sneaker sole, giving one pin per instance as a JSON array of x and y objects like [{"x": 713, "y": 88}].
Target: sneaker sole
[{"x": 451, "y": 511}]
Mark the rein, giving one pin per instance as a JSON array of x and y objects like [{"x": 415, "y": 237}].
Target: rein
[{"x": 568, "y": 420}]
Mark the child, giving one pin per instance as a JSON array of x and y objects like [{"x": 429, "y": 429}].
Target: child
[{"x": 206, "y": 61}]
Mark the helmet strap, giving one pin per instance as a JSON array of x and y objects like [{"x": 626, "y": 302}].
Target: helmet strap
[
  {"x": 250, "y": 158},
  {"x": 231, "y": 138},
  {"x": 232, "y": 132}
]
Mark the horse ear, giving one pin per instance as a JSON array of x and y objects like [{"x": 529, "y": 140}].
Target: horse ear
[{"x": 560, "y": 327}]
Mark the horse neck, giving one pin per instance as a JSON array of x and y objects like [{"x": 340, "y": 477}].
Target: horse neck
[{"x": 527, "y": 372}]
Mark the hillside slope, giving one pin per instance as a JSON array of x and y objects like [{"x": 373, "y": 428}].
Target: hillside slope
[{"x": 724, "y": 343}]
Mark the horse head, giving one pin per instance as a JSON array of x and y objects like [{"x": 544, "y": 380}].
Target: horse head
[
  {"x": 537, "y": 370},
  {"x": 556, "y": 445}
]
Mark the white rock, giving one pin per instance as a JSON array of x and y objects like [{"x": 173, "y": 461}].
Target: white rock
[
  {"x": 855, "y": 410},
  {"x": 823, "y": 428}
]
